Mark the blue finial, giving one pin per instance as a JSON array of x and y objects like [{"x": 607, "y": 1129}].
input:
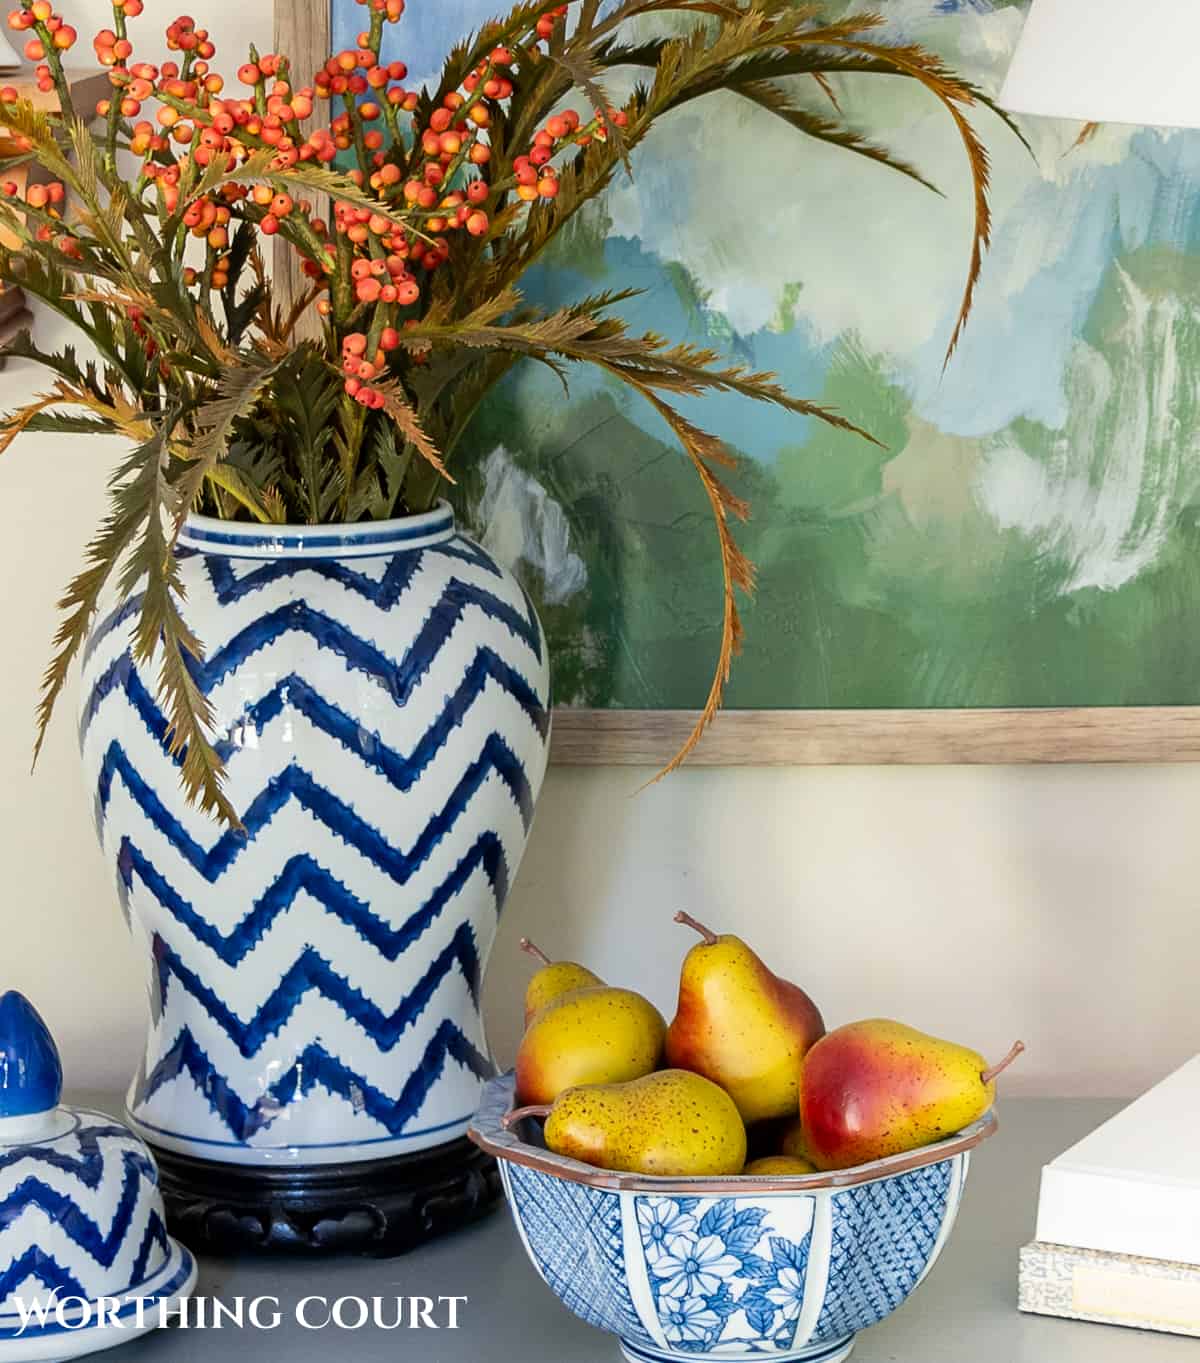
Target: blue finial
[{"x": 30, "y": 1068}]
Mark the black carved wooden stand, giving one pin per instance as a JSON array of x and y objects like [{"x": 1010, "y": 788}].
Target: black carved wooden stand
[{"x": 380, "y": 1207}]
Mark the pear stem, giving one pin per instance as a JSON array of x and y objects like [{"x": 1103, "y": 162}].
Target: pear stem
[
  {"x": 520, "y": 1113},
  {"x": 989, "y": 1076},
  {"x": 709, "y": 936},
  {"x": 535, "y": 951}
]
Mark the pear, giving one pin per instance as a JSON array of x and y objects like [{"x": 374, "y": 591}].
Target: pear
[
  {"x": 785, "y": 1165},
  {"x": 793, "y": 1143},
  {"x": 673, "y": 1124},
  {"x": 553, "y": 980},
  {"x": 741, "y": 1026},
  {"x": 599, "y": 1035},
  {"x": 878, "y": 1088}
]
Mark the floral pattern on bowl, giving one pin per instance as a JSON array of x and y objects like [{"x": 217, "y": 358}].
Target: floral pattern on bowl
[{"x": 719, "y": 1274}]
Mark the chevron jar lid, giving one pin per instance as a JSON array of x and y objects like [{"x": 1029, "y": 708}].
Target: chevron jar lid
[{"x": 81, "y": 1216}]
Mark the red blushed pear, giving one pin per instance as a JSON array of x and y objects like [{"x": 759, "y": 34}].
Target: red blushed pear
[
  {"x": 877, "y": 1088},
  {"x": 741, "y": 1026}
]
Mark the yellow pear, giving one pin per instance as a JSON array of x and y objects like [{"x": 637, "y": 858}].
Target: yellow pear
[
  {"x": 740, "y": 1025},
  {"x": 785, "y": 1165},
  {"x": 673, "y": 1123},
  {"x": 600, "y": 1035},
  {"x": 793, "y": 1142},
  {"x": 878, "y": 1088},
  {"x": 553, "y": 980}
]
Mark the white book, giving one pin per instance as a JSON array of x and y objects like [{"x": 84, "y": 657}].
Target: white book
[
  {"x": 1133, "y": 1186},
  {"x": 1111, "y": 1289}
]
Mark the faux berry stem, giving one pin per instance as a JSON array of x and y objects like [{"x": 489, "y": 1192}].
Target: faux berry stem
[
  {"x": 53, "y": 60},
  {"x": 114, "y": 99}
]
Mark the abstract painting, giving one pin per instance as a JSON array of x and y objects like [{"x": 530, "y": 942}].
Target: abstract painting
[{"x": 1028, "y": 533}]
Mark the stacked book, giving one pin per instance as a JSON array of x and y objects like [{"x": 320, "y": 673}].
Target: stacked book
[
  {"x": 15, "y": 315},
  {"x": 1118, "y": 1231}
]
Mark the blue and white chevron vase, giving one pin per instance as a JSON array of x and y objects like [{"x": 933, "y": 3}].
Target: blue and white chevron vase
[{"x": 381, "y": 697}]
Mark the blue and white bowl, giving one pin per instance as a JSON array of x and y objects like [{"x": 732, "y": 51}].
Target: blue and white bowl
[
  {"x": 733, "y": 1269},
  {"x": 85, "y": 1259}
]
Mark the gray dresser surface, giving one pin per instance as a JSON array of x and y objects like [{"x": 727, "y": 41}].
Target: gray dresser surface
[{"x": 964, "y": 1313}]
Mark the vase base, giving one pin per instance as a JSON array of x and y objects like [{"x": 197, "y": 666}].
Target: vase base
[
  {"x": 382, "y": 1208},
  {"x": 836, "y": 1351}
]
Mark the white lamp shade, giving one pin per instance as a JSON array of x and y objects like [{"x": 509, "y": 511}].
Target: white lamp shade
[{"x": 1109, "y": 61}]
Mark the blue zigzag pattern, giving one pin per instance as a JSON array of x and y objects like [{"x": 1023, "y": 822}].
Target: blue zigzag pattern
[
  {"x": 229, "y": 587},
  {"x": 295, "y": 693},
  {"x": 302, "y": 874},
  {"x": 309, "y": 973},
  {"x": 398, "y": 677},
  {"x": 72, "y": 1219},
  {"x": 88, "y": 1165},
  {"x": 383, "y": 592},
  {"x": 37, "y": 1263},
  {"x": 315, "y": 1068},
  {"x": 294, "y": 783},
  {"x": 155, "y": 1238}
]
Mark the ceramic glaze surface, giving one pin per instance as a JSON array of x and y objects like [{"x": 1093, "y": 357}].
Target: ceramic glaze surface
[
  {"x": 787, "y": 1275},
  {"x": 381, "y": 698},
  {"x": 80, "y": 1213},
  {"x": 30, "y": 1069}
]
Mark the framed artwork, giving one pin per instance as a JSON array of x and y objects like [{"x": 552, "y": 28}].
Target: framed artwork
[{"x": 1014, "y": 576}]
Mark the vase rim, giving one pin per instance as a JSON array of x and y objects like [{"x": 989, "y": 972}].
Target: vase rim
[{"x": 246, "y": 539}]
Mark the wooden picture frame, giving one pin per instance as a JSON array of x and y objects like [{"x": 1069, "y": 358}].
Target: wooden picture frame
[{"x": 818, "y": 737}]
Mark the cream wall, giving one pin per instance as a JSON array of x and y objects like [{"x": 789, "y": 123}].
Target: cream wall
[{"x": 1056, "y": 904}]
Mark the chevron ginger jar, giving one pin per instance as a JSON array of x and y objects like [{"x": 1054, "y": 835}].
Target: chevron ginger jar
[{"x": 381, "y": 697}]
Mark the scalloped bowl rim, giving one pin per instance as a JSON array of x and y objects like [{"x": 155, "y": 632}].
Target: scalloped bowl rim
[{"x": 488, "y": 1131}]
